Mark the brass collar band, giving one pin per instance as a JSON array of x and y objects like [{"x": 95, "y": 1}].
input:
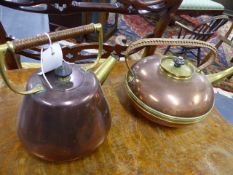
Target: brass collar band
[{"x": 160, "y": 115}]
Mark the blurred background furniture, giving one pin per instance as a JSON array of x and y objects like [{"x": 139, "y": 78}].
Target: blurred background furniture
[
  {"x": 200, "y": 7},
  {"x": 201, "y": 32},
  {"x": 228, "y": 4},
  {"x": 228, "y": 41},
  {"x": 165, "y": 9},
  {"x": 224, "y": 38},
  {"x": 57, "y": 22}
]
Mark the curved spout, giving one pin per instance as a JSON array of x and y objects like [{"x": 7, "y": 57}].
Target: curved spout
[
  {"x": 105, "y": 68},
  {"x": 220, "y": 75}
]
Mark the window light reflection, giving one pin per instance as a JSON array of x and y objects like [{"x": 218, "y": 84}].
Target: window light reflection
[
  {"x": 153, "y": 98},
  {"x": 173, "y": 99}
]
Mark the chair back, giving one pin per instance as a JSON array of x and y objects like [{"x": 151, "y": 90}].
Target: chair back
[{"x": 206, "y": 29}]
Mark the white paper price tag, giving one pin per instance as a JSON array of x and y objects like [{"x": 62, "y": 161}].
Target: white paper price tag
[{"x": 51, "y": 58}]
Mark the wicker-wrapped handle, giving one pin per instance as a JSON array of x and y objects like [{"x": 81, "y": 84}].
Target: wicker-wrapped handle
[
  {"x": 55, "y": 36},
  {"x": 174, "y": 42}
]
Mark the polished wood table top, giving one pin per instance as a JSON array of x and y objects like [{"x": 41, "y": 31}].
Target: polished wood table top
[{"x": 134, "y": 145}]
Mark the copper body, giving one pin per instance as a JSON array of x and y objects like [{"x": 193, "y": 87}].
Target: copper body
[
  {"x": 180, "y": 98},
  {"x": 66, "y": 122}
]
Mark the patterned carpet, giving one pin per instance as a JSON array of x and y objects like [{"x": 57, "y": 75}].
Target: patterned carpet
[{"x": 135, "y": 27}]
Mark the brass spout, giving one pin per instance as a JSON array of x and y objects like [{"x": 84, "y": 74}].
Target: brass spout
[
  {"x": 105, "y": 68},
  {"x": 220, "y": 75}
]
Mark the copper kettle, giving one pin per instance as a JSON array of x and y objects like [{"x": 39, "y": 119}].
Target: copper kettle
[
  {"x": 170, "y": 90},
  {"x": 70, "y": 120}
]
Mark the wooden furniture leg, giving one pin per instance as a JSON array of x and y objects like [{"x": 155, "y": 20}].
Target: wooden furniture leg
[
  {"x": 219, "y": 43},
  {"x": 162, "y": 24}
]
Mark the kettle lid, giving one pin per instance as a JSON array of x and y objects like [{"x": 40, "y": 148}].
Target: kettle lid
[
  {"x": 64, "y": 78},
  {"x": 177, "y": 67}
]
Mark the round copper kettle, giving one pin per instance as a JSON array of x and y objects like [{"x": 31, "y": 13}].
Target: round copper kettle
[
  {"x": 170, "y": 90},
  {"x": 71, "y": 118}
]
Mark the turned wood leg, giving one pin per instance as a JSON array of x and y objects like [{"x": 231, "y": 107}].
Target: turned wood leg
[{"x": 164, "y": 21}]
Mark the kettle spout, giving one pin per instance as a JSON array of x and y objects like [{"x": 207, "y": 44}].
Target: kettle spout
[
  {"x": 105, "y": 68},
  {"x": 220, "y": 75}
]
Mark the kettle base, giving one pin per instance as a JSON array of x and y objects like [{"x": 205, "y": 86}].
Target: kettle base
[
  {"x": 157, "y": 119},
  {"x": 59, "y": 158}
]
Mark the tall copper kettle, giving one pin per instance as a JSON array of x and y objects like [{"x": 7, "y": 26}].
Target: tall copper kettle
[
  {"x": 169, "y": 90},
  {"x": 69, "y": 120}
]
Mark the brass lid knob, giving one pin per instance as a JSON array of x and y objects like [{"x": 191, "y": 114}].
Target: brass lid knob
[{"x": 63, "y": 71}]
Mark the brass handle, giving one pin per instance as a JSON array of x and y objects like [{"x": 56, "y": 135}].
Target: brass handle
[
  {"x": 174, "y": 42},
  {"x": 18, "y": 45}
]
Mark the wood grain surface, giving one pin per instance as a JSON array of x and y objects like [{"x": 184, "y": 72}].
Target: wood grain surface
[{"x": 134, "y": 145}]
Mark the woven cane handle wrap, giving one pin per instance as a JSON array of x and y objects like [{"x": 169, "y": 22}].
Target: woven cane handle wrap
[
  {"x": 173, "y": 42},
  {"x": 55, "y": 36}
]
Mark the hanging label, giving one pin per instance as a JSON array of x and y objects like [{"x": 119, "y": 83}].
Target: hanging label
[{"x": 51, "y": 58}]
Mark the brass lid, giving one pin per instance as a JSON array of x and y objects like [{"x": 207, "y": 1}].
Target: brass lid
[{"x": 177, "y": 67}]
